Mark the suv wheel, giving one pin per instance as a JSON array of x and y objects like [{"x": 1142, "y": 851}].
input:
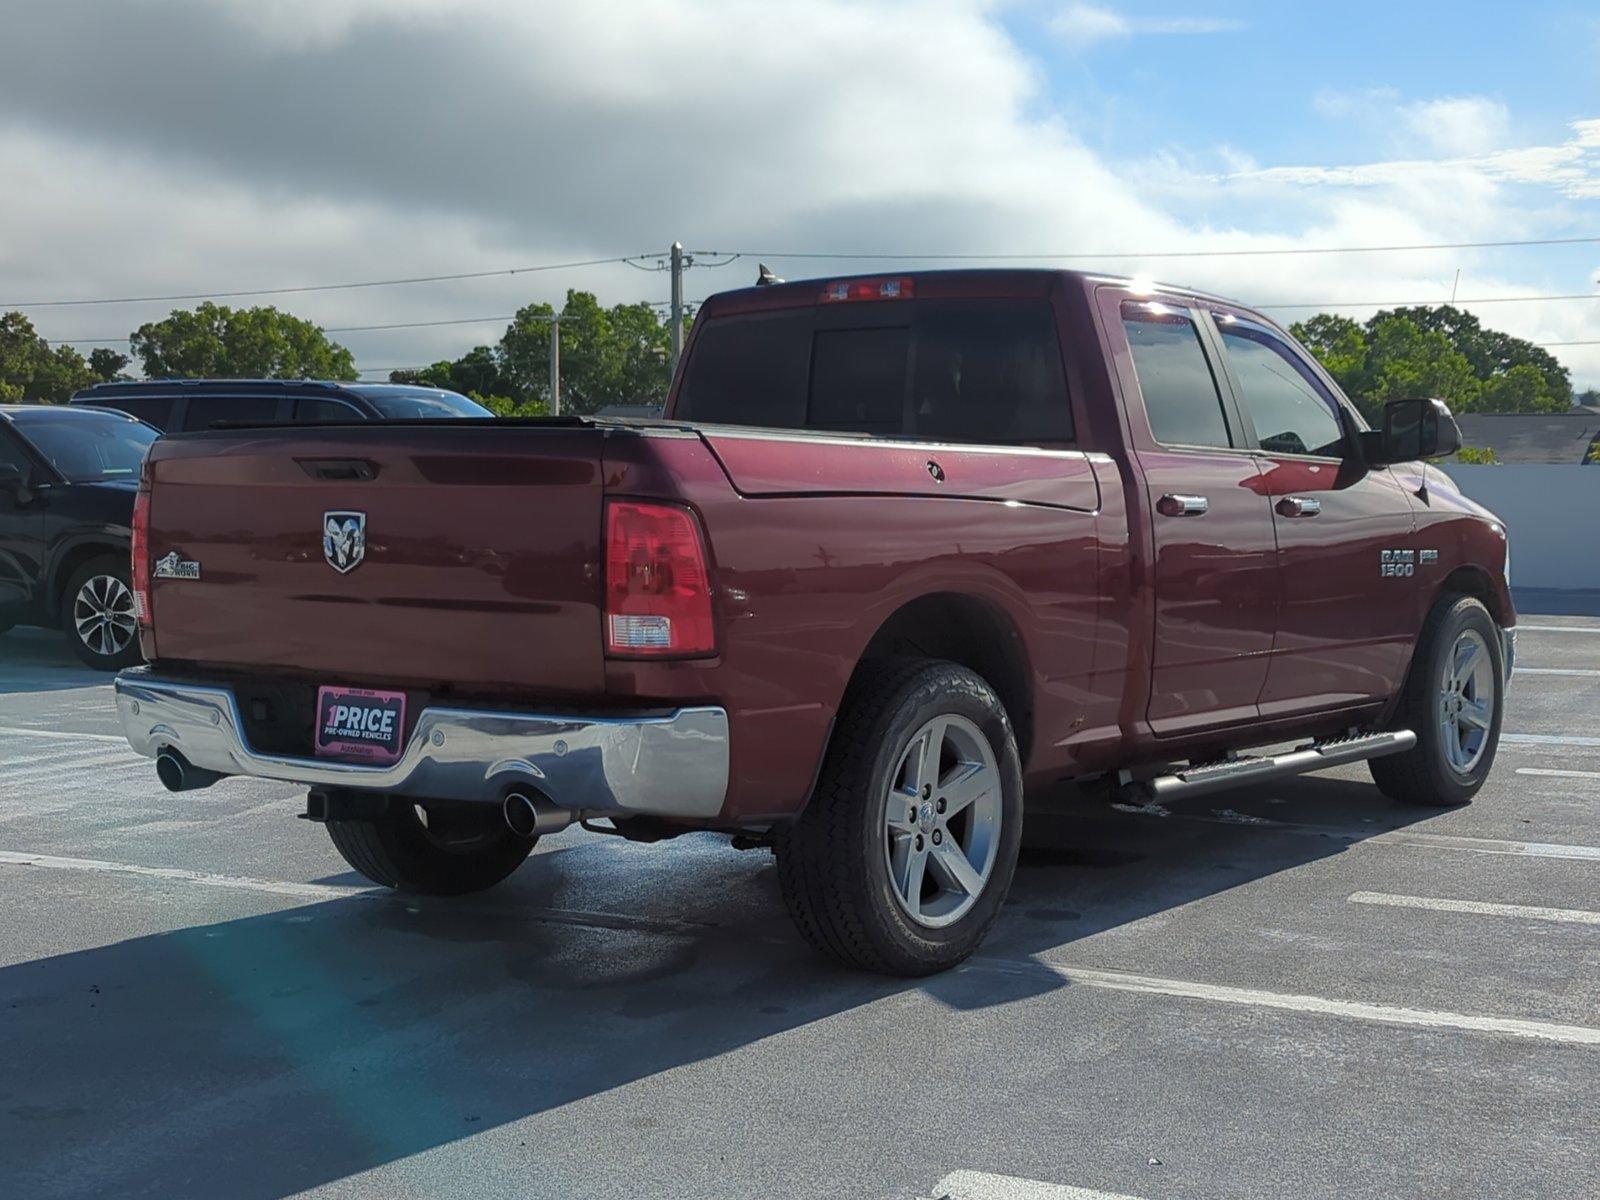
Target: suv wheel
[
  {"x": 439, "y": 849},
  {"x": 903, "y": 857},
  {"x": 97, "y": 614},
  {"x": 1453, "y": 700}
]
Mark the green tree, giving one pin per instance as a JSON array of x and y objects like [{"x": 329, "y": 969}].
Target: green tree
[
  {"x": 107, "y": 364},
  {"x": 32, "y": 371},
  {"x": 1405, "y": 360},
  {"x": 1491, "y": 352},
  {"x": 1435, "y": 351},
  {"x": 1521, "y": 389},
  {"x": 477, "y": 374},
  {"x": 616, "y": 355},
  {"x": 215, "y": 340}
]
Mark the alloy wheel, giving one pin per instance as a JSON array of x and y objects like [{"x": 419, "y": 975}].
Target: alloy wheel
[
  {"x": 1466, "y": 701},
  {"x": 942, "y": 821},
  {"x": 103, "y": 615}
]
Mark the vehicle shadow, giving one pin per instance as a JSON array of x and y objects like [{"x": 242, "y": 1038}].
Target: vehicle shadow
[
  {"x": 39, "y": 660},
  {"x": 263, "y": 1056}
]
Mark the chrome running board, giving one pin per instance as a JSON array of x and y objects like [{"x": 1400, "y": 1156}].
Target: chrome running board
[{"x": 1236, "y": 772}]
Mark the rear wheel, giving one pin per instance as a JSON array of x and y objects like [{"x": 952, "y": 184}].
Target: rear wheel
[
  {"x": 97, "y": 614},
  {"x": 1453, "y": 701},
  {"x": 905, "y": 854},
  {"x": 441, "y": 850}
]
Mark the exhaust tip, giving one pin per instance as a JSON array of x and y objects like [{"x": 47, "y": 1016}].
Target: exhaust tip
[
  {"x": 178, "y": 774},
  {"x": 522, "y": 816},
  {"x": 172, "y": 770}
]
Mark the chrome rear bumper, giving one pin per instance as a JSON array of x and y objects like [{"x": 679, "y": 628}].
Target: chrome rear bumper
[{"x": 674, "y": 765}]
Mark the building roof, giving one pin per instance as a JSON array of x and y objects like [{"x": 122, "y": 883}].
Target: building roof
[{"x": 1532, "y": 437}]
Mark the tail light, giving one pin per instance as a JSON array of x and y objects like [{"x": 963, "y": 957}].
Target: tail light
[
  {"x": 658, "y": 592},
  {"x": 141, "y": 557},
  {"x": 846, "y": 290}
]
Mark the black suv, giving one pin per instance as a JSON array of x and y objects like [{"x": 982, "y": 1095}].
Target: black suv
[
  {"x": 68, "y": 477},
  {"x": 174, "y": 405}
]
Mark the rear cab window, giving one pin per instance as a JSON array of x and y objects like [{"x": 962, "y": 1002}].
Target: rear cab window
[{"x": 967, "y": 370}]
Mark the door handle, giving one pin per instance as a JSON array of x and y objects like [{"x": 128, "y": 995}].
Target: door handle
[
  {"x": 1299, "y": 506},
  {"x": 1173, "y": 505}
]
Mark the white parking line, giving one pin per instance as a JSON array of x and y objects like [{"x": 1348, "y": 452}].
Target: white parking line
[
  {"x": 980, "y": 1185},
  {"x": 1482, "y": 908},
  {"x": 1442, "y": 841},
  {"x": 18, "y": 731},
  {"x": 309, "y": 891},
  {"x": 1582, "y": 671},
  {"x": 1118, "y": 981},
  {"x": 1547, "y": 739},
  {"x": 1359, "y": 1010},
  {"x": 1558, "y": 773},
  {"x": 334, "y": 891},
  {"x": 1399, "y": 837},
  {"x": 1558, "y": 629}
]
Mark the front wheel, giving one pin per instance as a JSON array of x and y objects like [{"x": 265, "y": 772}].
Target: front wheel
[
  {"x": 903, "y": 857},
  {"x": 1453, "y": 700},
  {"x": 97, "y": 614},
  {"x": 439, "y": 850}
]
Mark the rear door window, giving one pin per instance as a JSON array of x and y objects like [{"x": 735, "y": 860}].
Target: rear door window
[
  {"x": 152, "y": 410},
  {"x": 1181, "y": 396},
  {"x": 1289, "y": 408},
  {"x": 205, "y": 411},
  {"x": 964, "y": 371},
  {"x": 326, "y": 410}
]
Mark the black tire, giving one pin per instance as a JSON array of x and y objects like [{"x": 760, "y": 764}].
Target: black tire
[
  {"x": 833, "y": 861},
  {"x": 1424, "y": 775},
  {"x": 456, "y": 852},
  {"x": 110, "y": 646}
]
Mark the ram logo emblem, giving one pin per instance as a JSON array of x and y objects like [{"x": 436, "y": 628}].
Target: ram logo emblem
[{"x": 344, "y": 540}]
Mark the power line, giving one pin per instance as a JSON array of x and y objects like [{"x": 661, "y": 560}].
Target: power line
[
  {"x": 1104, "y": 255},
  {"x": 356, "y": 328},
  {"x": 330, "y": 287},
  {"x": 1430, "y": 303}
]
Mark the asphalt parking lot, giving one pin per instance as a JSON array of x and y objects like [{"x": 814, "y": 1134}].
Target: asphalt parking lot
[{"x": 1292, "y": 990}]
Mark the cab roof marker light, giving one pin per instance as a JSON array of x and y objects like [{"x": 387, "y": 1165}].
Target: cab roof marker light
[{"x": 843, "y": 291}]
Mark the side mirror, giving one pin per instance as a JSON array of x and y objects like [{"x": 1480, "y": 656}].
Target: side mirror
[{"x": 1412, "y": 429}]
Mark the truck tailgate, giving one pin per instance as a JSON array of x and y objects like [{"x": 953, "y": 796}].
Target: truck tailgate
[{"x": 480, "y": 565}]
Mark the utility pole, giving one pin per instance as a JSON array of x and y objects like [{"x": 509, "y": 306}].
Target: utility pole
[
  {"x": 677, "y": 305},
  {"x": 555, "y": 366}
]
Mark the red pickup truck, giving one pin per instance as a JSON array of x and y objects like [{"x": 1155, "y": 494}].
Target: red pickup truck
[{"x": 901, "y": 550}]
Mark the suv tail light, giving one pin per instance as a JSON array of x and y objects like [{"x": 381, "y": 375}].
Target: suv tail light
[
  {"x": 141, "y": 557},
  {"x": 658, "y": 592}
]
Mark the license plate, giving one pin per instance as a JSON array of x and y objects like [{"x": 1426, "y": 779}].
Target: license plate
[{"x": 360, "y": 725}]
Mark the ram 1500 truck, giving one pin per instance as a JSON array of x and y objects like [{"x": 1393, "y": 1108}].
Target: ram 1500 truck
[{"x": 901, "y": 550}]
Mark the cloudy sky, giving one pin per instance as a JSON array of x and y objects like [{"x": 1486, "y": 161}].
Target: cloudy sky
[{"x": 152, "y": 147}]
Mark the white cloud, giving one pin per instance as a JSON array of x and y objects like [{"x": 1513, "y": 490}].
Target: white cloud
[
  {"x": 1570, "y": 167},
  {"x": 1086, "y": 24},
  {"x": 235, "y": 148},
  {"x": 1459, "y": 125}
]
